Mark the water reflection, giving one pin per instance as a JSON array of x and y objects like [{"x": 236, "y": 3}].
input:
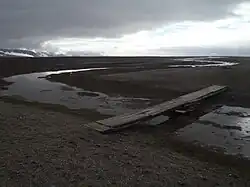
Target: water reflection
[
  {"x": 227, "y": 128},
  {"x": 34, "y": 87},
  {"x": 206, "y": 62}
]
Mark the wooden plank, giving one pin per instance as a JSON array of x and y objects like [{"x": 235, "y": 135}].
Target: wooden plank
[
  {"x": 163, "y": 107},
  {"x": 123, "y": 121},
  {"x": 98, "y": 127}
]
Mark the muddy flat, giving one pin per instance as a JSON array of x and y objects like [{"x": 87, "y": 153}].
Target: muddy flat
[{"x": 46, "y": 144}]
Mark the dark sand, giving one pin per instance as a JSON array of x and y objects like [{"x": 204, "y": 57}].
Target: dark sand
[{"x": 46, "y": 148}]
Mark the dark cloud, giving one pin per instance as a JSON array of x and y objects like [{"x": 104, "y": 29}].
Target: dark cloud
[{"x": 28, "y": 22}]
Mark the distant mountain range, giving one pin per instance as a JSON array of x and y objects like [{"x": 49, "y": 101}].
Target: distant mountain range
[
  {"x": 34, "y": 53},
  {"x": 24, "y": 53}
]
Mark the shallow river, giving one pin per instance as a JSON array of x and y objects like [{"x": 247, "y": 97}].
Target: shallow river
[{"x": 34, "y": 87}]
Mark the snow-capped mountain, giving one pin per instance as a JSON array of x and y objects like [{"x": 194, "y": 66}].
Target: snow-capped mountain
[
  {"x": 36, "y": 53},
  {"x": 24, "y": 53}
]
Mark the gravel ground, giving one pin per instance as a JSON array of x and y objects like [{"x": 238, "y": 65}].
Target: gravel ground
[{"x": 45, "y": 148}]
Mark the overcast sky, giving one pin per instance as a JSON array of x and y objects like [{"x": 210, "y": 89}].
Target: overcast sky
[{"x": 131, "y": 27}]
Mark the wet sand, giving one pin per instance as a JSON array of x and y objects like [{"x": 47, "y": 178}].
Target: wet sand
[{"x": 49, "y": 148}]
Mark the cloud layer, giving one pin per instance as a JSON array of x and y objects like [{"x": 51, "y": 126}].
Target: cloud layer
[{"x": 117, "y": 27}]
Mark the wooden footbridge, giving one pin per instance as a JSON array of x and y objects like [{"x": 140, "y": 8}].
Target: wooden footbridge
[{"x": 127, "y": 120}]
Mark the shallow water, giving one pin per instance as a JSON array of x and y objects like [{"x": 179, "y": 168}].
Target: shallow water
[
  {"x": 208, "y": 62},
  {"x": 34, "y": 87},
  {"x": 227, "y": 128}
]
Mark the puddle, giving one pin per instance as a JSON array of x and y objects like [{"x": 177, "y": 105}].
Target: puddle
[
  {"x": 207, "y": 62},
  {"x": 34, "y": 87},
  {"x": 227, "y": 128}
]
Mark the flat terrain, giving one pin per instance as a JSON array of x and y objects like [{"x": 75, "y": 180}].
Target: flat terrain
[{"x": 44, "y": 147}]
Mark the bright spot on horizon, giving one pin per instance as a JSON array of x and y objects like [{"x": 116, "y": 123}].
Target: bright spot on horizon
[{"x": 233, "y": 31}]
